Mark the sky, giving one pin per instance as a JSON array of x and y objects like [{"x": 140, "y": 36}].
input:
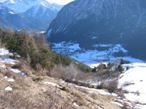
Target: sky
[{"x": 62, "y": 2}]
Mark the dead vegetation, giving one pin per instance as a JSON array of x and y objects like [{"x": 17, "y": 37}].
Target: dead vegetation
[
  {"x": 102, "y": 79},
  {"x": 28, "y": 94}
]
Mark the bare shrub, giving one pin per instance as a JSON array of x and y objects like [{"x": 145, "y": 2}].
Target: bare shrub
[
  {"x": 112, "y": 86},
  {"x": 127, "y": 84},
  {"x": 101, "y": 66},
  {"x": 25, "y": 67},
  {"x": 101, "y": 86},
  {"x": 70, "y": 72},
  {"x": 57, "y": 72},
  {"x": 37, "y": 79},
  {"x": 126, "y": 106}
]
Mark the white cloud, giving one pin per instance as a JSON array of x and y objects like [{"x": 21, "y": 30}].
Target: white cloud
[
  {"x": 12, "y": 1},
  {"x": 62, "y": 2},
  {"x": 1, "y": 1}
]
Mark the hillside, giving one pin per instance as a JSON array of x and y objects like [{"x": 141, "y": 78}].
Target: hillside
[
  {"x": 23, "y": 87},
  {"x": 20, "y": 88},
  {"x": 31, "y": 75}
]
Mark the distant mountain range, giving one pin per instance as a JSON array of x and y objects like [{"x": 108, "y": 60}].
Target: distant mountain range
[
  {"x": 92, "y": 22},
  {"x": 28, "y": 14}
]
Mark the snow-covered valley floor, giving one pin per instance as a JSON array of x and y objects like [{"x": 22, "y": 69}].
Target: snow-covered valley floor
[{"x": 108, "y": 53}]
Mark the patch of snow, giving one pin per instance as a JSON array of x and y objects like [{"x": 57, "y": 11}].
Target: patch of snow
[
  {"x": 42, "y": 32},
  {"x": 18, "y": 71},
  {"x": 3, "y": 51},
  {"x": 43, "y": 4},
  {"x": 97, "y": 64},
  {"x": 11, "y": 12},
  {"x": 140, "y": 106},
  {"x": 11, "y": 80},
  {"x": 5, "y": 77},
  {"x": 15, "y": 70},
  {"x": 52, "y": 84},
  {"x": 92, "y": 90},
  {"x": 133, "y": 81},
  {"x": 94, "y": 37},
  {"x": 4, "y": 57},
  {"x": 131, "y": 59},
  {"x": 102, "y": 45},
  {"x": 8, "y": 88},
  {"x": 75, "y": 105},
  {"x": 119, "y": 104},
  {"x": 118, "y": 47},
  {"x": 3, "y": 66},
  {"x": 66, "y": 47}
]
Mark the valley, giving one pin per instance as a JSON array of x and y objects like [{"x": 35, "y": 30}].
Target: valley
[
  {"x": 72, "y": 54},
  {"x": 98, "y": 53}
]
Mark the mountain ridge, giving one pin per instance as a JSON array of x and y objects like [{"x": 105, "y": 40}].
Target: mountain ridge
[
  {"x": 102, "y": 21},
  {"x": 38, "y": 13}
]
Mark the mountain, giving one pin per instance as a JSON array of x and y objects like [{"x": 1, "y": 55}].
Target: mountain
[
  {"x": 33, "y": 14},
  {"x": 94, "y": 22},
  {"x": 10, "y": 19}
]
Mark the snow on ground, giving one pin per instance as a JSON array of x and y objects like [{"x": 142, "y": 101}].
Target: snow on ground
[
  {"x": 134, "y": 82},
  {"x": 5, "y": 59},
  {"x": 11, "y": 80},
  {"x": 18, "y": 71},
  {"x": 91, "y": 90},
  {"x": 89, "y": 57},
  {"x": 11, "y": 12},
  {"x": 75, "y": 105},
  {"x": 102, "y": 45},
  {"x": 3, "y": 51},
  {"x": 119, "y": 104},
  {"x": 52, "y": 84},
  {"x": 8, "y": 88},
  {"x": 66, "y": 47}
]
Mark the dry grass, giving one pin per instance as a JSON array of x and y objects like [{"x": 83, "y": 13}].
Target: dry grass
[
  {"x": 67, "y": 73},
  {"x": 27, "y": 94},
  {"x": 30, "y": 94}
]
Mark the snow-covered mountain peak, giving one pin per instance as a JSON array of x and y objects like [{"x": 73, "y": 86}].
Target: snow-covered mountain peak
[
  {"x": 16, "y": 5},
  {"x": 31, "y": 14}
]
